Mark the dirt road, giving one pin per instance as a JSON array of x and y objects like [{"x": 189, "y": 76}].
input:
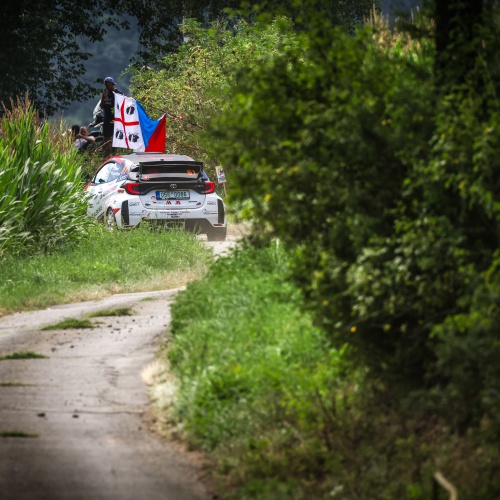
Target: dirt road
[{"x": 76, "y": 424}]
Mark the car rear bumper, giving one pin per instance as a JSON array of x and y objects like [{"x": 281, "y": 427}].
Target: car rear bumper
[{"x": 202, "y": 219}]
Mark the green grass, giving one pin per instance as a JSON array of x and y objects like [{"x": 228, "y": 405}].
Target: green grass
[
  {"x": 256, "y": 380},
  {"x": 23, "y": 355},
  {"x": 120, "y": 311},
  {"x": 17, "y": 434},
  {"x": 14, "y": 384},
  {"x": 70, "y": 323},
  {"x": 108, "y": 262}
]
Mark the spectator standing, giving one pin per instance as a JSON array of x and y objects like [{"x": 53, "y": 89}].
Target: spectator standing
[{"x": 108, "y": 111}]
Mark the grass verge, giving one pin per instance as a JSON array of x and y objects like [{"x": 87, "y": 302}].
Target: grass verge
[
  {"x": 246, "y": 377},
  {"x": 108, "y": 262},
  {"x": 256, "y": 382}
]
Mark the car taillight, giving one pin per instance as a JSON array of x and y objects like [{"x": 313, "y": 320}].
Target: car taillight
[
  {"x": 131, "y": 187},
  {"x": 209, "y": 187}
]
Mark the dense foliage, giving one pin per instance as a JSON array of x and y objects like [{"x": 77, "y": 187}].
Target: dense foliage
[
  {"x": 334, "y": 124},
  {"x": 46, "y": 43},
  {"x": 192, "y": 83},
  {"x": 42, "y": 206},
  {"x": 284, "y": 414},
  {"x": 40, "y": 50},
  {"x": 158, "y": 21},
  {"x": 383, "y": 185},
  {"x": 259, "y": 387}
]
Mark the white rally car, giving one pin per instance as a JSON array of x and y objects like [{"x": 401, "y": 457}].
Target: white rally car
[{"x": 167, "y": 189}]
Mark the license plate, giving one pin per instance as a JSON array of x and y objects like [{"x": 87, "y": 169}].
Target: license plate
[{"x": 172, "y": 195}]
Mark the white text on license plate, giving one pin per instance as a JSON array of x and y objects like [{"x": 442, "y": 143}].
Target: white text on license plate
[{"x": 172, "y": 195}]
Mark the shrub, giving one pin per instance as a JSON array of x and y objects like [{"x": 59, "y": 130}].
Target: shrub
[
  {"x": 256, "y": 378},
  {"x": 192, "y": 82},
  {"x": 284, "y": 415},
  {"x": 385, "y": 190}
]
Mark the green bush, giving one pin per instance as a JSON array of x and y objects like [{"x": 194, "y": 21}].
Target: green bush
[
  {"x": 385, "y": 190},
  {"x": 284, "y": 415},
  {"x": 41, "y": 193},
  {"x": 324, "y": 134},
  {"x": 192, "y": 82},
  {"x": 258, "y": 385}
]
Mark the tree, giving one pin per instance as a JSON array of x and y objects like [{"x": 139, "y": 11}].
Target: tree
[
  {"x": 158, "y": 21},
  {"x": 387, "y": 193},
  {"x": 40, "y": 54},
  {"x": 192, "y": 83}
]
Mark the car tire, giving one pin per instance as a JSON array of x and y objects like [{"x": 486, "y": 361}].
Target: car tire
[
  {"x": 217, "y": 234},
  {"x": 110, "y": 220}
]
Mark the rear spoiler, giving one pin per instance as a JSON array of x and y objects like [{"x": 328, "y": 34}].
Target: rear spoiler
[{"x": 154, "y": 171}]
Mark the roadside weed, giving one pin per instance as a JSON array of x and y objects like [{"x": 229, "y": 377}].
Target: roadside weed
[
  {"x": 14, "y": 384},
  {"x": 23, "y": 355},
  {"x": 120, "y": 311},
  {"x": 17, "y": 434},
  {"x": 71, "y": 323}
]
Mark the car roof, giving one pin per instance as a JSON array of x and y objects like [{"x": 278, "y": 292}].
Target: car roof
[{"x": 145, "y": 157}]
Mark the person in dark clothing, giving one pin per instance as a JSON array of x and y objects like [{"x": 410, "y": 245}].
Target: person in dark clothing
[{"x": 108, "y": 112}]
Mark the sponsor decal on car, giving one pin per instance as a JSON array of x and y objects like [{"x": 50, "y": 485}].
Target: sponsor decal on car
[
  {"x": 171, "y": 213},
  {"x": 169, "y": 202},
  {"x": 109, "y": 190}
]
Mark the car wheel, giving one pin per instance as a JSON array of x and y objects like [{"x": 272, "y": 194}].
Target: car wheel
[
  {"x": 217, "y": 234},
  {"x": 110, "y": 220}
]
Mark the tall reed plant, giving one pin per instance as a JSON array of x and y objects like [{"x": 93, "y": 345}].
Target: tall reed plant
[{"x": 41, "y": 195}]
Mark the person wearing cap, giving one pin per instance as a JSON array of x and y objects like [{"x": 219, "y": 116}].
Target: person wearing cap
[{"x": 108, "y": 111}]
